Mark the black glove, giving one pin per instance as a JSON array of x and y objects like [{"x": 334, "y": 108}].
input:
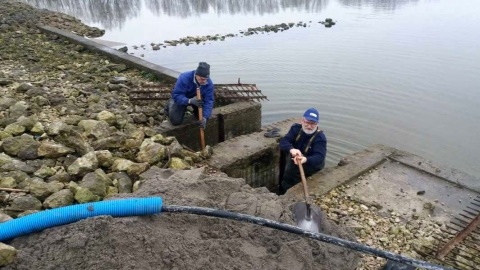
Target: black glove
[
  {"x": 196, "y": 102},
  {"x": 202, "y": 123}
]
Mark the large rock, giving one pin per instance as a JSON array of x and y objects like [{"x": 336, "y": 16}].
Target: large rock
[
  {"x": 51, "y": 149},
  {"x": 61, "y": 176},
  {"x": 7, "y": 254},
  {"x": 23, "y": 146},
  {"x": 84, "y": 195},
  {"x": 45, "y": 172},
  {"x": 6, "y": 102},
  {"x": 123, "y": 182},
  {"x": 179, "y": 164},
  {"x": 107, "y": 116},
  {"x": 95, "y": 129},
  {"x": 132, "y": 168},
  {"x": 8, "y": 164},
  {"x": 15, "y": 129},
  {"x": 55, "y": 128},
  {"x": 115, "y": 141},
  {"x": 23, "y": 203},
  {"x": 18, "y": 109},
  {"x": 40, "y": 189},
  {"x": 83, "y": 165},
  {"x": 60, "y": 198},
  {"x": 27, "y": 122},
  {"x": 95, "y": 183},
  {"x": 105, "y": 158},
  {"x": 37, "y": 128},
  {"x": 151, "y": 152},
  {"x": 8, "y": 182},
  {"x": 75, "y": 140}
]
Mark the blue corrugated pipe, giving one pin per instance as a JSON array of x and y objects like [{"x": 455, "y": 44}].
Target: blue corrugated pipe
[{"x": 64, "y": 215}]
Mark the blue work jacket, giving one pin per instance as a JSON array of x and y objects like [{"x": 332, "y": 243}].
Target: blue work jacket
[{"x": 186, "y": 88}]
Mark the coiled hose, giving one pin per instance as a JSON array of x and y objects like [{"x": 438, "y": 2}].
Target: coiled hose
[{"x": 149, "y": 206}]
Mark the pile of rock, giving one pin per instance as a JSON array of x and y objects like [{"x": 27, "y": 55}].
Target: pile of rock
[
  {"x": 68, "y": 131},
  {"x": 384, "y": 230}
]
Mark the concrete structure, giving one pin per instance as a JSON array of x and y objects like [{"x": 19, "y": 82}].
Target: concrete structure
[{"x": 162, "y": 73}]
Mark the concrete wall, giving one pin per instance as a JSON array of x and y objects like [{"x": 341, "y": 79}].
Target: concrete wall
[
  {"x": 259, "y": 170},
  {"x": 162, "y": 73},
  {"x": 226, "y": 122}
]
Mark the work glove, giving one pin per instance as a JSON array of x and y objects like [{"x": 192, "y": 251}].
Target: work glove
[
  {"x": 202, "y": 123},
  {"x": 196, "y": 102}
]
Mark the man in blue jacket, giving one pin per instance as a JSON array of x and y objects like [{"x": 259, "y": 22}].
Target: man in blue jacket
[
  {"x": 184, "y": 95},
  {"x": 307, "y": 141}
]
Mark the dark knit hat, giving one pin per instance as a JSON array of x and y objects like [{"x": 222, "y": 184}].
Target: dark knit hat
[{"x": 203, "y": 70}]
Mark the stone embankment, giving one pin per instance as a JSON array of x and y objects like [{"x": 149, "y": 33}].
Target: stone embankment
[{"x": 68, "y": 132}]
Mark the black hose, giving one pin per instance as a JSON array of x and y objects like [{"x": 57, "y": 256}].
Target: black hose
[{"x": 293, "y": 229}]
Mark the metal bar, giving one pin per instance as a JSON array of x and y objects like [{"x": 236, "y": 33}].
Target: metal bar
[
  {"x": 449, "y": 261},
  {"x": 470, "y": 213},
  {"x": 462, "y": 227},
  {"x": 475, "y": 204},
  {"x": 458, "y": 238},
  {"x": 471, "y": 208}
]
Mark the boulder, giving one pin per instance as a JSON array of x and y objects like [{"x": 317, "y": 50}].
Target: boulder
[
  {"x": 7, "y": 254},
  {"x": 151, "y": 152},
  {"x": 83, "y": 165},
  {"x": 60, "y": 198},
  {"x": 51, "y": 149},
  {"x": 23, "y": 146}
]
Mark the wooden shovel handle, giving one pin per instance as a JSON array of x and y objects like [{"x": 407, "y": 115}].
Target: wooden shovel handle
[
  {"x": 200, "y": 118},
  {"x": 304, "y": 180}
]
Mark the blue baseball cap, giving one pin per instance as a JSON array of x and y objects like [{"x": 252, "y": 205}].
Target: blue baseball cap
[{"x": 311, "y": 115}]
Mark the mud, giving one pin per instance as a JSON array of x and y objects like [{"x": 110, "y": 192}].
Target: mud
[{"x": 185, "y": 241}]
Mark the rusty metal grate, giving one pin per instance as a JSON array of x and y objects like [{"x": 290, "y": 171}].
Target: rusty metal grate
[
  {"x": 224, "y": 93},
  {"x": 235, "y": 92},
  {"x": 465, "y": 252}
]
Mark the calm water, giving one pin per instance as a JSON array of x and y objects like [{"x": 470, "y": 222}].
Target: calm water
[{"x": 402, "y": 73}]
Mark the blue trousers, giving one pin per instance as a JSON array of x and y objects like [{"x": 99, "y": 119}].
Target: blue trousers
[{"x": 176, "y": 112}]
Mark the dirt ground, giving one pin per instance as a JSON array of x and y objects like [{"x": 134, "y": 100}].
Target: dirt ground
[{"x": 185, "y": 241}]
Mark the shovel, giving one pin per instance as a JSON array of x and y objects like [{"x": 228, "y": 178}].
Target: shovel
[
  {"x": 200, "y": 118},
  {"x": 307, "y": 216}
]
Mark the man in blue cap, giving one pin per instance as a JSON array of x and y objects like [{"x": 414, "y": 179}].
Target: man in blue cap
[
  {"x": 184, "y": 95},
  {"x": 307, "y": 141}
]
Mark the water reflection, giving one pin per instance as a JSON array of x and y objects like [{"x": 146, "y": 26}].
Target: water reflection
[
  {"x": 111, "y": 14},
  {"x": 377, "y": 4}
]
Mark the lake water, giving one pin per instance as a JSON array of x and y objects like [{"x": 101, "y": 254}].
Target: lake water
[{"x": 404, "y": 73}]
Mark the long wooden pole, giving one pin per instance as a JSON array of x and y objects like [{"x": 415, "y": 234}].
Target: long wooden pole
[{"x": 200, "y": 118}]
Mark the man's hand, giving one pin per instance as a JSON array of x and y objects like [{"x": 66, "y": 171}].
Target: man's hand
[
  {"x": 202, "y": 123},
  {"x": 295, "y": 152},
  {"x": 300, "y": 159},
  {"x": 196, "y": 102}
]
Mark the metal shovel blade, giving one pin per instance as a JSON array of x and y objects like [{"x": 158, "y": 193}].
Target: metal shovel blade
[{"x": 307, "y": 219}]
